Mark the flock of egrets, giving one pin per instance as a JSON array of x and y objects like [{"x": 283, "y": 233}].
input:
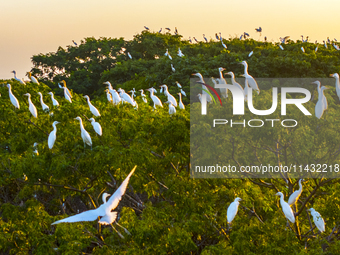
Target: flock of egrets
[{"x": 286, "y": 208}]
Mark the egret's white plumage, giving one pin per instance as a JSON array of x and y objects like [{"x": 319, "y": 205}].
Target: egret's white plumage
[
  {"x": 67, "y": 91},
  {"x": 43, "y": 105},
  {"x": 337, "y": 84},
  {"x": 180, "y": 54},
  {"x": 318, "y": 220},
  {"x": 155, "y": 99},
  {"x": 288, "y": 212},
  {"x": 143, "y": 96},
  {"x": 93, "y": 109},
  {"x": 115, "y": 96},
  {"x": 183, "y": 93},
  {"x": 96, "y": 126},
  {"x": 173, "y": 68},
  {"x": 67, "y": 97},
  {"x": 251, "y": 81},
  {"x": 181, "y": 105},
  {"x": 209, "y": 99},
  {"x": 54, "y": 101},
  {"x": 84, "y": 134},
  {"x": 233, "y": 81},
  {"x": 108, "y": 96},
  {"x": 32, "y": 78},
  {"x": 221, "y": 80},
  {"x": 294, "y": 197},
  {"x": 104, "y": 210},
  {"x": 171, "y": 98},
  {"x": 31, "y": 106},
  {"x": 16, "y": 78},
  {"x": 13, "y": 99},
  {"x": 321, "y": 104},
  {"x": 232, "y": 209},
  {"x": 126, "y": 97},
  {"x": 53, "y": 135},
  {"x": 178, "y": 85},
  {"x": 172, "y": 109}
]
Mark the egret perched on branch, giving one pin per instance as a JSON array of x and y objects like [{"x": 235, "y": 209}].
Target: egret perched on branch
[
  {"x": 31, "y": 106},
  {"x": 281, "y": 47},
  {"x": 43, "y": 105},
  {"x": 288, "y": 212},
  {"x": 232, "y": 210},
  {"x": 183, "y": 93},
  {"x": 318, "y": 220},
  {"x": 224, "y": 46},
  {"x": 221, "y": 80},
  {"x": 155, "y": 99},
  {"x": 181, "y": 105},
  {"x": 126, "y": 97},
  {"x": 96, "y": 126},
  {"x": 67, "y": 90},
  {"x": 173, "y": 68},
  {"x": 19, "y": 80},
  {"x": 321, "y": 104},
  {"x": 251, "y": 81},
  {"x": 13, "y": 99},
  {"x": 209, "y": 99},
  {"x": 115, "y": 96},
  {"x": 54, "y": 101},
  {"x": 53, "y": 135},
  {"x": 294, "y": 197},
  {"x": 104, "y": 210},
  {"x": 171, "y": 98},
  {"x": 172, "y": 109},
  {"x": 129, "y": 55},
  {"x": 143, "y": 96},
  {"x": 179, "y": 53},
  {"x": 178, "y": 85},
  {"x": 84, "y": 134},
  {"x": 93, "y": 109},
  {"x": 167, "y": 54},
  {"x": 108, "y": 96},
  {"x": 236, "y": 84},
  {"x": 32, "y": 78},
  {"x": 337, "y": 84}
]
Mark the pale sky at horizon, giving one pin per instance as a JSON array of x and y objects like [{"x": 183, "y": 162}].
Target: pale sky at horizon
[{"x": 38, "y": 26}]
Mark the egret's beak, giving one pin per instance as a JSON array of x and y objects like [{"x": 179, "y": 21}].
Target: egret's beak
[
  {"x": 242, "y": 75},
  {"x": 331, "y": 75}
]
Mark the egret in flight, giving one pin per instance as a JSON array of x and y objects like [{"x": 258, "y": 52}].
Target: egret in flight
[
  {"x": 16, "y": 78},
  {"x": 93, "y": 109},
  {"x": 84, "y": 134},
  {"x": 32, "y": 78},
  {"x": 43, "y": 105},
  {"x": 54, "y": 101},
  {"x": 318, "y": 220},
  {"x": 232, "y": 209},
  {"x": 13, "y": 99},
  {"x": 294, "y": 197},
  {"x": 104, "y": 210},
  {"x": 288, "y": 212},
  {"x": 31, "y": 106},
  {"x": 96, "y": 126},
  {"x": 53, "y": 135}
]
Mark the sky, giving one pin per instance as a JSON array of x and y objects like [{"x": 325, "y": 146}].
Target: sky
[{"x": 31, "y": 27}]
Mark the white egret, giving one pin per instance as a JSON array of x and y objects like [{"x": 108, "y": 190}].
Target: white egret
[
  {"x": 173, "y": 68},
  {"x": 13, "y": 99},
  {"x": 172, "y": 109},
  {"x": 303, "y": 49},
  {"x": 31, "y": 106},
  {"x": 67, "y": 97},
  {"x": 246, "y": 88},
  {"x": 143, "y": 96},
  {"x": 232, "y": 210},
  {"x": 281, "y": 47},
  {"x": 84, "y": 134},
  {"x": 129, "y": 55},
  {"x": 168, "y": 54},
  {"x": 16, "y": 78},
  {"x": 115, "y": 96},
  {"x": 337, "y": 83},
  {"x": 171, "y": 98},
  {"x": 318, "y": 220},
  {"x": 43, "y": 105},
  {"x": 325, "y": 44},
  {"x": 221, "y": 80},
  {"x": 93, "y": 109},
  {"x": 251, "y": 81},
  {"x": 32, "y": 78},
  {"x": 53, "y": 135},
  {"x": 67, "y": 90},
  {"x": 108, "y": 96},
  {"x": 183, "y": 93},
  {"x": 35, "y": 152},
  {"x": 224, "y": 46},
  {"x": 179, "y": 53},
  {"x": 320, "y": 105},
  {"x": 294, "y": 197},
  {"x": 324, "y": 99},
  {"x": 178, "y": 85},
  {"x": 250, "y": 54},
  {"x": 181, "y": 105},
  {"x": 96, "y": 126},
  {"x": 155, "y": 99},
  {"x": 316, "y": 49},
  {"x": 104, "y": 210},
  {"x": 54, "y": 101},
  {"x": 288, "y": 212},
  {"x": 233, "y": 81},
  {"x": 126, "y": 97},
  {"x": 209, "y": 99}
]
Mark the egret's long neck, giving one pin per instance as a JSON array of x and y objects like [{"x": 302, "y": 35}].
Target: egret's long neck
[
  {"x": 221, "y": 75},
  {"x": 245, "y": 69},
  {"x": 300, "y": 186},
  {"x": 232, "y": 78}
]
